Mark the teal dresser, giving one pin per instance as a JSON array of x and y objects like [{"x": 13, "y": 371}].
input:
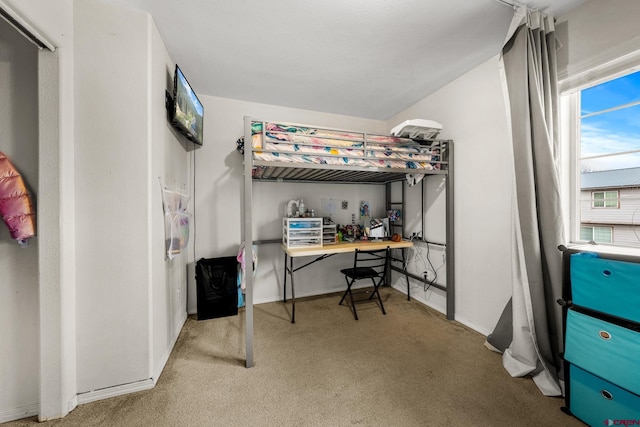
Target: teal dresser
[{"x": 602, "y": 337}]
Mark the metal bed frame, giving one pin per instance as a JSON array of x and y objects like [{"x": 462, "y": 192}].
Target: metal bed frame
[{"x": 321, "y": 173}]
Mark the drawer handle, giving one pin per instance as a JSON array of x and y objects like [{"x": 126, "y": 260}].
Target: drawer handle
[
  {"x": 606, "y": 273},
  {"x": 607, "y": 395},
  {"x": 605, "y": 335}
]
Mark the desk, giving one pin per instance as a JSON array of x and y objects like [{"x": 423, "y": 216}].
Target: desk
[{"x": 326, "y": 251}]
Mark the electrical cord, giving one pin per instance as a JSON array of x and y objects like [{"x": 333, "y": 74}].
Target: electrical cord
[
  {"x": 417, "y": 252},
  {"x": 428, "y": 265},
  {"x": 435, "y": 272}
]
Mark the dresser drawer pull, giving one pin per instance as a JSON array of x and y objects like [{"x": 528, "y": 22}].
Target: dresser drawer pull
[
  {"x": 607, "y": 273},
  {"x": 605, "y": 335},
  {"x": 607, "y": 395}
]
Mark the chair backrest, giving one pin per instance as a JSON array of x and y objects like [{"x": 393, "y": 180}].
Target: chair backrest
[{"x": 376, "y": 259}]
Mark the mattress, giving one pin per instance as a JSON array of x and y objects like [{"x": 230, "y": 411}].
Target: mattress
[{"x": 297, "y": 144}]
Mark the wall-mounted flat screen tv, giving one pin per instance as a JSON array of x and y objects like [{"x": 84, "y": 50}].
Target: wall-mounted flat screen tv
[{"x": 187, "y": 112}]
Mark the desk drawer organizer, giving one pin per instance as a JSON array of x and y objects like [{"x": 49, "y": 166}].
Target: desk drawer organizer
[
  {"x": 602, "y": 338},
  {"x": 329, "y": 234},
  {"x": 302, "y": 232}
]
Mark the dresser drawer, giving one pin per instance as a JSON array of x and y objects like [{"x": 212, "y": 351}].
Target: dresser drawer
[
  {"x": 596, "y": 401},
  {"x": 607, "y": 286},
  {"x": 609, "y": 351}
]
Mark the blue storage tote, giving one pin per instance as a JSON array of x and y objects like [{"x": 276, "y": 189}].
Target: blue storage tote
[
  {"x": 604, "y": 349},
  {"x": 605, "y": 285},
  {"x": 596, "y": 401}
]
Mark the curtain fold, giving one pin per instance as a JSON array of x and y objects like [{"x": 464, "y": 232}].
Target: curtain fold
[{"x": 528, "y": 68}]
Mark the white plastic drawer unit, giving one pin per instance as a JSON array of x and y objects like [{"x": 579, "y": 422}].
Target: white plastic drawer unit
[
  {"x": 604, "y": 349},
  {"x": 595, "y": 401},
  {"x": 607, "y": 286},
  {"x": 328, "y": 234},
  {"x": 302, "y": 232}
]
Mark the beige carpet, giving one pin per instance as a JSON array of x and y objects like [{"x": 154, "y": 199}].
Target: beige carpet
[{"x": 411, "y": 367}]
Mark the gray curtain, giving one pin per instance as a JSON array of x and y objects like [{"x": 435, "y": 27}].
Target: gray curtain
[{"x": 529, "y": 333}]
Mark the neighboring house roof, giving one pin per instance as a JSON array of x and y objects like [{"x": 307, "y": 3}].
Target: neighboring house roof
[{"x": 610, "y": 179}]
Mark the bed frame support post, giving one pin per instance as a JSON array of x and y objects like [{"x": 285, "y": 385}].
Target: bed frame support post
[
  {"x": 450, "y": 249},
  {"x": 247, "y": 238}
]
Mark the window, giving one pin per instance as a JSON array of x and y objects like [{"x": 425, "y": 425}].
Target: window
[
  {"x": 603, "y": 126},
  {"x": 596, "y": 234},
  {"x": 609, "y": 128},
  {"x": 604, "y": 199}
]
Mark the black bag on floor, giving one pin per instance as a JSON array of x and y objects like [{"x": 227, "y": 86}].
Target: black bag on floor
[{"x": 217, "y": 287}]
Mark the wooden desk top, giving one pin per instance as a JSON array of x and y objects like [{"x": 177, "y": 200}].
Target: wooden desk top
[{"x": 346, "y": 247}]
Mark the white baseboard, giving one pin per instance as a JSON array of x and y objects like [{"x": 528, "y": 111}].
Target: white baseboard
[
  {"x": 165, "y": 359},
  {"x": 73, "y": 403},
  {"x": 312, "y": 293},
  {"x": 469, "y": 324},
  {"x": 106, "y": 393},
  {"x": 466, "y": 322},
  {"x": 19, "y": 413},
  {"x": 147, "y": 384}
]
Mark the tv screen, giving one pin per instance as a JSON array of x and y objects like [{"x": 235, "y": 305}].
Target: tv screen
[{"x": 187, "y": 114}]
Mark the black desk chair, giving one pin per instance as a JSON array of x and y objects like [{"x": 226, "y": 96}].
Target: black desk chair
[{"x": 367, "y": 265}]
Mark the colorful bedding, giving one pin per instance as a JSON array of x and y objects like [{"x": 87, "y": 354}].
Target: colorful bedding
[{"x": 296, "y": 144}]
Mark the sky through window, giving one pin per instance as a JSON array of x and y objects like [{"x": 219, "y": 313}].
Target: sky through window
[{"x": 610, "y": 124}]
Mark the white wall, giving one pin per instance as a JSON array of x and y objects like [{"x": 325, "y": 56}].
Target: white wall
[
  {"x": 111, "y": 193},
  {"x": 131, "y": 300},
  {"x": 53, "y": 19},
  {"x": 471, "y": 110},
  {"x": 219, "y": 183},
  {"x": 19, "y": 317},
  {"x": 595, "y": 33},
  {"x": 269, "y": 203},
  {"x": 171, "y": 162}
]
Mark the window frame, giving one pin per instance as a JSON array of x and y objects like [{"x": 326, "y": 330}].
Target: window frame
[
  {"x": 593, "y": 229},
  {"x": 569, "y": 89},
  {"x": 605, "y": 199}
]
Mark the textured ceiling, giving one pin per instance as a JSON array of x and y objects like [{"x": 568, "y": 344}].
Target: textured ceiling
[{"x": 364, "y": 58}]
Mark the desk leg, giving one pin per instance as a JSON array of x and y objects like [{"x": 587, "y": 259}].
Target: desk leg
[
  {"x": 284, "y": 287},
  {"x": 406, "y": 276},
  {"x": 293, "y": 293}
]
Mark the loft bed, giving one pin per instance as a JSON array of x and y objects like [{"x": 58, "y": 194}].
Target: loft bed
[
  {"x": 285, "y": 152},
  {"x": 277, "y": 151}
]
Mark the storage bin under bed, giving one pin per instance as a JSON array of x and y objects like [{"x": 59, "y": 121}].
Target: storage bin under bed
[
  {"x": 605, "y": 285},
  {"x": 596, "y": 401}
]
